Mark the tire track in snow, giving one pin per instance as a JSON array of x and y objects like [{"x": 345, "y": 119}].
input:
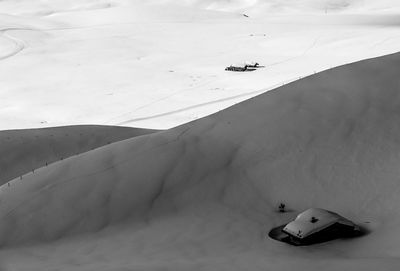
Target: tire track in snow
[
  {"x": 377, "y": 44},
  {"x": 19, "y": 45},
  {"x": 298, "y": 56},
  {"x": 250, "y": 93},
  {"x": 306, "y": 50},
  {"x": 158, "y": 100}
]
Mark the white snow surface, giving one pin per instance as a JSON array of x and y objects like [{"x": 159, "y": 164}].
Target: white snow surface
[
  {"x": 159, "y": 64},
  {"x": 202, "y": 196}
]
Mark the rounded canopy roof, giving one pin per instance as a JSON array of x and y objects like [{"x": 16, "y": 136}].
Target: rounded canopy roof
[{"x": 314, "y": 220}]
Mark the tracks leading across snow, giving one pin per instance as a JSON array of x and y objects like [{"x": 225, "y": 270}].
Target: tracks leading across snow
[
  {"x": 19, "y": 44},
  {"x": 195, "y": 106}
]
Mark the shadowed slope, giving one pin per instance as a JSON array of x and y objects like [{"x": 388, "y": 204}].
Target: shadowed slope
[
  {"x": 330, "y": 140},
  {"x": 25, "y": 150}
]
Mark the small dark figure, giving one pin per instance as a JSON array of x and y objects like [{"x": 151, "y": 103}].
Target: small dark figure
[
  {"x": 313, "y": 219},
  {"x": 282, "y": 208}
]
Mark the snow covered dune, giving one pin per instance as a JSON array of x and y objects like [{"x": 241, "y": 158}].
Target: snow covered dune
[
  {"x": 25, "y": 150},
  {"x": 161, "y": 64},
  {"x": 328, "y": 136}
]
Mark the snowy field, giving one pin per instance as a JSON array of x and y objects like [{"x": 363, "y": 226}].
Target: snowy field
[
  {"x": 161, "y": 64},
  {"x": 201, "y": 196}
]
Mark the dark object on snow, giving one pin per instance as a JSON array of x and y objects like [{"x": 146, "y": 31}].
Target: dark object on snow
[
  {"x": 245, "y": 15},
  {"x": 245, "y": 67},
  {"x": 236, "y": 68},
  {"x": 315, "y": 226},
  {"x": 252, "y": 64},
  {"x": 282, "y": 208}
]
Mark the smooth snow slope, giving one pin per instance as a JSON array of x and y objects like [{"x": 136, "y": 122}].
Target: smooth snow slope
[
  {"x": 23, "y": 151},
  {"x": 296, "y": 6},
  {"x": 160, "y": 64},
  {"x": 202, "y": 196}
]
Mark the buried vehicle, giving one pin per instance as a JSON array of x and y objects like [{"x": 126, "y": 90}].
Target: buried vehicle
[
  {"x": 315, "y": 226},
  {"x": 252, "y": 64},
  {"x": 247, "y": 66},
  {"x": 237, "y": 68}
]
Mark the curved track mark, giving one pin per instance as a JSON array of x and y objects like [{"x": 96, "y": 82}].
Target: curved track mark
[
  {"x": 19, "y": 44},
  {"x": 250, "y": 93}
]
